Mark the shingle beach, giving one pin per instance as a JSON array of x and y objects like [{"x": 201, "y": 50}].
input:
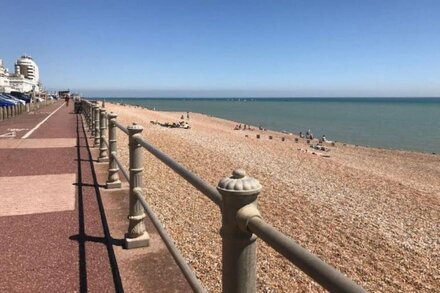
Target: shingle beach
[{"x": 374, "y": 214}]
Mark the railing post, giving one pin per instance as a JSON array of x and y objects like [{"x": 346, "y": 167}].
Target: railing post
[
  {"x": 239, "y": 192},
  {"x": 103, "y": 154},
  {"x": 96, "y": 132},
  {"x": 1, "y": 113},
  {"x": 137, "y": 235},
  {"x": 113, "y": 169},
  {"x": 89, "y": 115},
  {"x": 92, "y": 130}
]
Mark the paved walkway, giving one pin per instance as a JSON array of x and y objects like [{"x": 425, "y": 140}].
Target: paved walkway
[{"x": 54, "y": 231}]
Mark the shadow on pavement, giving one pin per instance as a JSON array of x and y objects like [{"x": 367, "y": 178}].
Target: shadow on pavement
[{"x": 82, "y": 237}]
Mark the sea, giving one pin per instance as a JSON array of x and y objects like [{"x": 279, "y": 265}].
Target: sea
[{"x": 393, "y": 123}]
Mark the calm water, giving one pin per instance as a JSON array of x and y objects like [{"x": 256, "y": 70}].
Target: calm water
[{"x": 410, "y": 123}]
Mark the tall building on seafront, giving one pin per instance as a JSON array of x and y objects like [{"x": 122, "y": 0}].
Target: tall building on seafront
[{"x": 25, "y": 79}]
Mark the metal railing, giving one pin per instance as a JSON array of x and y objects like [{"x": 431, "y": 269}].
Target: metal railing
[{"x": 235, "y": 195}]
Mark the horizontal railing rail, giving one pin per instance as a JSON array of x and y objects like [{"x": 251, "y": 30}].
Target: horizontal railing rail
[
  {"x": 324, "y": 274},
  {"x": 115, "y": 162},
  {"x": 121, "y": 167},
  {"x": 190, "y": 177},
  {"x": 121, "y": 127},
  {"x": 181, "y": 262},
  {"x": 237, "y": 198}
]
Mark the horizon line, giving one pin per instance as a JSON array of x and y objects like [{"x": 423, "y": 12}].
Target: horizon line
[{"x": 268, "y": 97}]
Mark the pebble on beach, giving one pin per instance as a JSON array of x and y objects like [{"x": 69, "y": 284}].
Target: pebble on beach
[{"x": 374, "y": 214}]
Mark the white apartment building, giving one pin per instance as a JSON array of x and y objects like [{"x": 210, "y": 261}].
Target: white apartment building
[{"x": 26, "y": 78}]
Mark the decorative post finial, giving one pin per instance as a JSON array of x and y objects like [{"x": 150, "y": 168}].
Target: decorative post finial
[{"x": 239, "y": 183}]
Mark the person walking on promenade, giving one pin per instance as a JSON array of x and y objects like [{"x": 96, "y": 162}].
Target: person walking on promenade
[{"x": 67, "y": 101}]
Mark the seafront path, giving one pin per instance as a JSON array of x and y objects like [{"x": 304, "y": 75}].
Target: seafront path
[{"x": 60, "y": 230}]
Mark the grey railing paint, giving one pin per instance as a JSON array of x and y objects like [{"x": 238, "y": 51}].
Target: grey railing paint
[
  {"x": 104, "y": 141},
  {"x": 181, "y": 262},
  {"x": 113, "y": 168},
  {"x": 190, "y": 177},
  {"x": 324, "y": 274},
  {"x": 121, "y": 127},
  {"x": 121, "y": 167},
  {"x": 137, "y": 235},
  {"x": 103, "y": 146},
  {"x": 241, "y": 220}
]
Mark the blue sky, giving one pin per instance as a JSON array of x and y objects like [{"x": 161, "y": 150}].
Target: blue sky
[{"x": 229, "y": 48}]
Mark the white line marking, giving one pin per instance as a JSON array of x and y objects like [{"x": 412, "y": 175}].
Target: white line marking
[
  {"x": 39, "y": 124},
  {"x": 8, "y": 134}
]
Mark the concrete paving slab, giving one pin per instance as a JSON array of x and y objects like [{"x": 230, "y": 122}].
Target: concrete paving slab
[
  {"x": 37, "y": 143},
  {"x": 37, "y": 194},
  {"x": 24, "y": 162}
]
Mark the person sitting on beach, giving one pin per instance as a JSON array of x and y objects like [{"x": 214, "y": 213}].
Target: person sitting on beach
[
  {"x": 324, "y": 139},
  {"x": 301, "y": 134}
]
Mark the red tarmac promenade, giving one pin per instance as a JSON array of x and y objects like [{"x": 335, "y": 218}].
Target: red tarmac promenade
[{"x": 60, "y": 231}]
